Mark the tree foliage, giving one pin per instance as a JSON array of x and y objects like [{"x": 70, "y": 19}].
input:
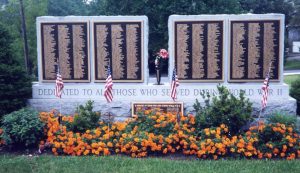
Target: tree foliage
[
  {"x": 10, "y": 16},
  {"x": 15, "y": 85},
  {"x": 270, "y": 6},
  {"x": 296, "y": 17},
  {"x": 67, "y": 7}
]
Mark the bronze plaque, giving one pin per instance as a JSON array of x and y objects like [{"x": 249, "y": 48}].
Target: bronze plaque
[
  {"x": 174, "y": 107},
  {"x": 65, "y": 45},
  {"x": 199, "y": 50},
  {"x": 254, "y": 45},
  {"x": 120, "y": 46}
]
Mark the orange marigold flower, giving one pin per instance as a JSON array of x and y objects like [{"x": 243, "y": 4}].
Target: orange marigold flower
[
  {"x": 276, "y": 151},
  {"x": 291, "y": 156},
  {"x": 268, "y": 155},
  {"x": 54, "y": 150},
  {"x": 284, "y": 148},
  {"x": 250, "y": 147},
  {"x": 106, "y": 152},
  {"x": 110, "y": 144},
  {"x": 222, "y": 126},
  {"x": 232, "y": 150},
  {"x": 165, "y": 151}
]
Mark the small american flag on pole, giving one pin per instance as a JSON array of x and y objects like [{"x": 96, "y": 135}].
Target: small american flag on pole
[
  {"x": 108, "y": 87},
  {"x": 174, "y": 85},
  {"x": 265, "y": 89},
  {"x": 59, "y": 85}
]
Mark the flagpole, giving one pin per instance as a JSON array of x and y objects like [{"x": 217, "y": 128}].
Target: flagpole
[
  {"x": 262, "y": 108},
  {"x": 60, "y": 106},
  {"x": 60, "y": 96},
  {"x": 109, "y": 104},
  {"x": 59, "y": 92},
  {"x": 109, "y": 115}
]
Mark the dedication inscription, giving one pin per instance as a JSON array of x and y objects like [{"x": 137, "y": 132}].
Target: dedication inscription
[
  {"x": 65, "y": 45},
  {"x": 254, "y": 45},
  {"x": 118, "y": 45},
  {"x": 199, "y": 50},
  {"x": 174, "y": 107}
]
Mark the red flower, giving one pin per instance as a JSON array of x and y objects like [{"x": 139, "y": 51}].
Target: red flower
[{"x": 163, "y": 53}]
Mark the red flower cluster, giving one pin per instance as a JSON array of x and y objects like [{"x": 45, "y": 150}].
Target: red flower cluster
[{"x": 163, "y": 53}]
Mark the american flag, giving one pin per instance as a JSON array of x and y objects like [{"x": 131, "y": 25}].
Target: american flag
[
  {"x": 59, "y": 85},
  {"x": 265, "y": 89},
  {"x": 108, "y": 87},
  {"x": 174, "y": 85}
]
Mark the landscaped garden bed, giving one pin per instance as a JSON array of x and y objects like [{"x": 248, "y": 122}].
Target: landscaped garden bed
[{"x": 218, "y": 130}]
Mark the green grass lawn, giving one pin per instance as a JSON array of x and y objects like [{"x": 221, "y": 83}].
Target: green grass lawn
[
  {"x": 292, "y": 65},
  {"x": 288, "y": 79},
  {"x": 120, "y": 164}
]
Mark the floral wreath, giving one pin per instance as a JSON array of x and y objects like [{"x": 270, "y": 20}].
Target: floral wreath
[{"x": 162, "y": 54}]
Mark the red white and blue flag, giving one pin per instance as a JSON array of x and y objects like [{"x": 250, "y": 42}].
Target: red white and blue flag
[
  {"x": 108, "y": 87},
  {"x": 174, "y": 85},
  {"x": 59, "y": 85},
  {"x": 265, "y": 89}
]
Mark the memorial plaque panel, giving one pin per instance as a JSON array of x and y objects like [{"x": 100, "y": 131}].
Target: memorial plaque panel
[
  {"x": 199, "y": 50},
  {"x": 65, "y": 45},
  {"x": 120, "y": 45},
  {"x": 176, "y": 107},
  {"x": 254, "y": 44}
]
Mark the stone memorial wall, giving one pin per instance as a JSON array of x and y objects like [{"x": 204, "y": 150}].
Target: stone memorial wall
[
  {"x": 64, "y": 45},
  {"x": 207, "y": 50},
  {"x": 198, "y": 50},
  {"x": 254, "y": 45},
  {"x": 119, "y": 45}
]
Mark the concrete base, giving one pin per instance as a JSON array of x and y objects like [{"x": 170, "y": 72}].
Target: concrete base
[
  {"x": 122, "y": 109},
  {"x": 75, "y": 94}
]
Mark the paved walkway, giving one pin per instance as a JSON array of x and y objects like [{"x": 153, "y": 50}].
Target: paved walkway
[
  {"x": 291, "y": 72},
  {"x": 293, "y": 56}
]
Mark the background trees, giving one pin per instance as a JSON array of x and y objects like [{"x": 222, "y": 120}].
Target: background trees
[{"x": 15, "y": 84}]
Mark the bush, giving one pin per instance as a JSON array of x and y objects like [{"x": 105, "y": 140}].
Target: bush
[
  {"x": 295, "y": 92},
  {"x": 22, "y": 128},
  {"x": 15, "y": 84},
  {"x": 282, "y": 118},
  {"x": 278, "y": 140},
  {"x": 223, "y": 109},
  {"x": 85, "y": 118}
]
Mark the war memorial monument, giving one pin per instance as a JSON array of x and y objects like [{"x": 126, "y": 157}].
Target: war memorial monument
[{"x": 232, "y": 50}]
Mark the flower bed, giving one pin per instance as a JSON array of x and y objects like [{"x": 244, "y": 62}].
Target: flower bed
[{"x": 154, "y": 133}]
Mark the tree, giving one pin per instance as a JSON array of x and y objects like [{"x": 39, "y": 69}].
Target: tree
[
  {"x": 67, "y": 7},
  {"x": 269, "y": 6},
  {"x": 11, "y": 17},
  {"x": 296, "y": 18},
  {"x": 15, "y": 84}
]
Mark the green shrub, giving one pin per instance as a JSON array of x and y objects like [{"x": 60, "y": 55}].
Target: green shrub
[
  {"x": 223, "y": 109},
  {"x": 22, "y": 128},
  {"x": 295, "y": 92},
  {"x": 85, "y": 118},
  {"x": 282, "y": 118},
  {"x": 15, "y": 84}
]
